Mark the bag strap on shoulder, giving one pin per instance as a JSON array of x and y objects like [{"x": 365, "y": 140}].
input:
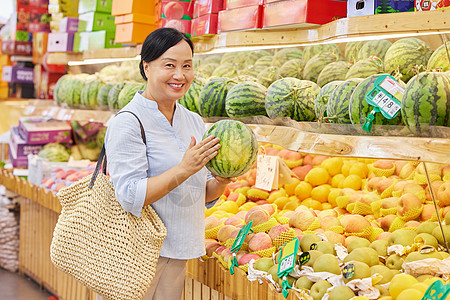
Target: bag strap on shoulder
[{"x": 102, "y": 161}]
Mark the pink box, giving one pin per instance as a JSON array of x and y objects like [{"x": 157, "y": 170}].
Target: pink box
[
  {"x": 181, "y": 25},
  {"x": 205, "y": 7},
  {"x": 60, "y": 42},
  {"x": 303, "y": 11},
  {"x": 39, "y": 131},
  {"x": 206, "y": 24},
  {"x": 20, "y": 146},
  {"x": 248, "y": 17},
  {"x": 231, "y": 4},
  {"x": 178, "y": 10}
]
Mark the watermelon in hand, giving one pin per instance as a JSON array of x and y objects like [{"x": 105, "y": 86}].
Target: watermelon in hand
[{"x": 238, "y": 150}]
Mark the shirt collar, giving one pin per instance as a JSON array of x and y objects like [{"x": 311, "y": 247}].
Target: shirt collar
[{"x": 141, "y": 100}]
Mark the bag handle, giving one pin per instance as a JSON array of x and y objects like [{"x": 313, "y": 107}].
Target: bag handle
[{"x": 102, "y": 156}]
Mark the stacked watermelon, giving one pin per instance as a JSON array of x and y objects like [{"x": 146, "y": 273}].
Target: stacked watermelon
[
  {"x": 212, "y": 97},
  {"x": 246, "y": 99},
  {"x": 339, "y": 100}
]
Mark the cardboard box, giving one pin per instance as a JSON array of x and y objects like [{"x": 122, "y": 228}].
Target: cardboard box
[
  {"x": 17, "y": 161},
  {"x": 40, "y": 41},
  {"x": 232, "y": 4},
  {"x": 85, "y": 6},
  {"x": 60, "y": 42},
  {"x": 181, "y": 25},
  {"x": 5, "y": 60},
  {"x": 41, "y": 3},
  {"x": 424, "y": 5},
  {"x": 177, "y": 10},
  {"x": 21, "y": 90},
  {"x": 206, "y": 24},
  {"x": 72, "y": 25},
  {"x": 17, "y": 74},
  {"x": 20, "y": 146},
  {"x": 133, "y": 32},
  {"x": 357, "y": 8},
  {"x": 303, "y": 12},
  {"x": 124, "y": 7},
  {"x": 39, "y": 131},
  {"x": 96, "y": 21},
  {"x": 47, "y": 84},
  {"x": 66, "y": 8},
  {"x": 19, "y": 48},
  {"x": 97, "y": 40},
  {"x": 248, "y": 17},
  {"x": 32, "y": 19},
  {"x": 206, "y": 7}
]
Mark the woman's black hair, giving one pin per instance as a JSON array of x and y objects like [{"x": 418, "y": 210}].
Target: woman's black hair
[{"x": 158, "y": 42}]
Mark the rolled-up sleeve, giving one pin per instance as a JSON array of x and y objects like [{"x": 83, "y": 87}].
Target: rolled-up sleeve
[{"x": 127, "y": 162}]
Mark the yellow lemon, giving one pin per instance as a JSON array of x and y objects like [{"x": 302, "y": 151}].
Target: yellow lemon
[
  {"x": 281, "y": 202},
  {"x": 410, "y": 294},
  {"x": 337, "y": 180},
  {"x": 317, "y": 176},
  {"x": 334, "y": 193},
  {"x": 291, "y": 205},
  {"x": 359, "y": 169},
  {"x": 326, "y": 206},
  {"x": 230, "y": 207},
  {"x": 290, "y": 187},
  {"x": 320, "y": 193},
  {"x": 210, "y": 211},
  {"x": 353, "y": 182},
  {"x": 303, "y": 190},
  {"x": 313, "y": 204},
  {"x": 246, "y": 206},
  {"x": 422, "y": 287},
  {"x": 401, "y": 282},
  {"x": 333, "y": 165},
  {"x": 276, "y": 194}
]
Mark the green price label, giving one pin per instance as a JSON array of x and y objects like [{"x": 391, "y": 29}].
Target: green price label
[
  {"x": 313, "y": 246},
  {"x": 349, "y": 271},
  {"x": 287, "y": 258},
  {"x": 304, "y": 258}
]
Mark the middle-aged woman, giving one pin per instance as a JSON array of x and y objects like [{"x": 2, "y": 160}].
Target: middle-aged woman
[{"x": 168, "y": 173}]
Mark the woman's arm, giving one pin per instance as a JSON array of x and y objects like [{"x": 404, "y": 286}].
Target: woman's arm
[{"x": 215, "y": 187}]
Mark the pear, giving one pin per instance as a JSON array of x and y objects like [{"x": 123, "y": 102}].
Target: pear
[
  {"x": 341, "y": 292},
  {"x": 403, "y": 237},
  {"x": 444, "y": 254},
  {"x": 327, "y": 263},
  {"x": 264, "y": 264},
  {"x": 386, "y": 298},
  {"x": 307, "y": 240},
  {"x": 422, "y": 278},
  {"x": 366, "y": 255},
  {"x": 438, "y": 234},
  {"x": 428, "y": 239},
  {"x": 358, "y": 242},
  {"x": 383, "y": 271},
  {"x": 326, "y": 247},
  {"x": 394, "y": 262},
  {"x": 289, "y": 279},
  {"x": 303, "y": 283},
  {"x": 319, "y": 289},
  {"x": 273, "y": 271},
  {"x": 426, "y": 227},
  {"x": 447, "y": 219},
  {"x": 413, "y": 256},
  {"x": 362, "y": 270},
  {"x": 383, "y": 291},
  {"x": 313, "y": 255},
  {"x": 395, "y": 271},
  {"x": 380, "y": 246}
]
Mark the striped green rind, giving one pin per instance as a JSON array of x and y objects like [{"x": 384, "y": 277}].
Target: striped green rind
[
  {"x": 320, "y": 104},
  {"x": 113, "y": 96},
  {"x": 212, "y": 97},
  {"x": 59, "y": 89},
  {"x": 89, "y": 93},
  {"x": 226, "y": 70},
  {"x": 228, "y": 57},
  {"x": 426, "y": 102},
  {"x": 238, "y": 151},
  {"x": 215, "y": 59},
  {"x": 284, "y": 55},
  {"x": 240, "y": 59},
  {"x": 246, "y": 99},
  {"x": 291, "y": 97},
  {"x": 316, "y": 64},
  {"x": 292, "y": 68},
  {"x": 265, "y": 61},
  {"x": 102, "y": 96},
  {"x": 332, "y": 72},
  {"x": 252, "y": 70},
  {"x": 72, "y": 94},
  {"x": 253, "y": 56},
  {"x": 364, "y": 68},
  {"x": 404, "y": 54},
  {"x": 128, "y": 92},
  {"x": 207, "y": 70},
  {"x": 242, "y": 78},
  {"x": 376, "y": 48},
  {"x": 359, "y": 108},
  {"x": 352, "y": 50},
  {"x": 190, "y": 99},
  {"x": 310, "y": 51},
  {"x": 338, "y": 103},
  {"x": 440, "y": 59},
  {"x": 268, "y": 76}
]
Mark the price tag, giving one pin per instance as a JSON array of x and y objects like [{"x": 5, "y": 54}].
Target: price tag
[
  {"x": 349, "y": 271},
  {"x": 304, "y": 258},
  {"x": 267, "y": 172},
  {"x": 313, "y": 246},
  {"x": 238, "y": 244},
  {"x": 287, "y": 258}
]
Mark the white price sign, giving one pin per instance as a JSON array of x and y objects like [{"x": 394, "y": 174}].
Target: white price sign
[{"x": 267, "y": 172}]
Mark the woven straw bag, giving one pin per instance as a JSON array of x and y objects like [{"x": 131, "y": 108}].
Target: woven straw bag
[{"x": 107, "y": 249}]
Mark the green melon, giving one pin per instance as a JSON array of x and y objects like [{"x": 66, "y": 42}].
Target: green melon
[
  {"x": 102, "y": 96},
  {"x": 72, "y": 94},
  {"x": 252, "y": 70},
  {"x": 242, "y": 78},
  {"x": 238, "y": 151},
  {"x": 426, "y": 102},
  {"x": 113, "y": 96},
  {"x": 352, "y": 50},
  {"x": 268, "y": 76},
  {"x": 404, "y": 55},
  {"x": 332, "y": 72},
  {"x": 246, "y": 99},
  {"x": 292, "y": 68},
  {"x": 320, "y": 104},
  {"x": 241, "y": 59},
  {"x": 212, "y": 97},
  {"x": 316, "y": 64},
  {"x": 284, "y": 55},
  {"x": 190, "y": 99},
  {"x": 226, "y": 70},
  {"x": 376, "y": 48},
  {"x": 365, "y": 67},
  {"x": 128, "y": 92},
  {"x": 253, "y": 56},
  {"x": 215, "y": 59},
  {"x": 359, "y": 108},
  {"x": 59, "y": 90},
  {"x": 310, "y": 51},
  {"x": 440, "y": 59},
  {"x": 291, "y": 97},
  {"x": 89, "y": 93},
  {"x": 228, "y": 57},
  {"x": 265, "y": 61},
  {"x": 338, "y": 102},
  {"x": 207, "y": 69}
]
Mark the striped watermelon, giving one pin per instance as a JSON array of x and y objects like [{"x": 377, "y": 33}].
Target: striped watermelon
[
  {"x": 253, "y": 56},
  {"x": 337, "y": 106},
  {"x": 215, "y": 59},
  {"x": 284, "y": 55},
  {"x": 212, "y": 97},
  {"x": 242, "y": 78},
  {"x": 228, "y": 57},
  {"x": 316, "y": 64},
  {"x": 246, "y": 99},
  {"x": 190, "y": 99},
  {"x": 128, "y": 92},
  {"x": 320, "y": 104},
  {"x": 265, "y": 61},
  {"x": 73, "y": 88},
  {"x": 292, "y": 68},
  {"x": 89, "y": 93},
  {"x": 226, "y": 70},
  {"x": 376, "y": 48},
  {"x": 365, "y": 67},
  {"x": 102, "y": 96},
  {"x": 252, "y": 70},
  {"x": 311, "y": 51},
  {"x": 207, "y": 69},
  {"x": 113, "y": 96},
  {"x": 404, "y": 54},
  {"x": 426, "y": 102},
  {"x": 332, "y": 72},
  {"x": 59, "y": 89},
  {"x": 352, "y": 50},
  {"x": 440, "y": 59},
  {"x": 238, "y": 151},
  {"x": 359, "y": 109},
  {"x": 291, "y": 97},
  {"x": 240, "y": 59},
  {"x": 268, "y": 76}
]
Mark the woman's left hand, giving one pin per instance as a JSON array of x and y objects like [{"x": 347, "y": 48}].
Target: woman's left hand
[{"x": 224, "y": 180}]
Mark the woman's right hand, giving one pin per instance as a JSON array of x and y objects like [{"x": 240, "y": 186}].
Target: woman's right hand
[{"x": 197, "y": 155}]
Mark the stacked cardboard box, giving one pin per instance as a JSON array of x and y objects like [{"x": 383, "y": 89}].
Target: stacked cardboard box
[
  {"x": 4, "y": 61},
  {"x": 373, "y": 7},
  {"x": 60, "y": 9},
  {"x": 206, "y": 17},
  {"x": 32, "y": 16},
  {"x": 241, "y": 14},
  {"x": 177, "y": 14}
]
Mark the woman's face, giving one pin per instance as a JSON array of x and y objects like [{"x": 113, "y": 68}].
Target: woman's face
[{"x": 170, "y": 76}]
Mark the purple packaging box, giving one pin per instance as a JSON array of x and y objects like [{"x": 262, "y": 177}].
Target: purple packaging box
[
  {"x": 21, "y": 148},
  {"x": 69, "y": 25},
  {"x": 17, "y": 74},
  {"x": 17, "y": 161},
  {"x": 40, "y": 131},
  {"x": 60, "y": 42}
]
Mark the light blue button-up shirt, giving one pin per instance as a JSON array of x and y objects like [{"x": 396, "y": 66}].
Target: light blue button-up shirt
[{"x": 131, "y": 162}]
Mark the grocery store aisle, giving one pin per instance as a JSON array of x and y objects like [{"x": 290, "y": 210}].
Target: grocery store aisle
[{"x": 17, "y": 287}]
